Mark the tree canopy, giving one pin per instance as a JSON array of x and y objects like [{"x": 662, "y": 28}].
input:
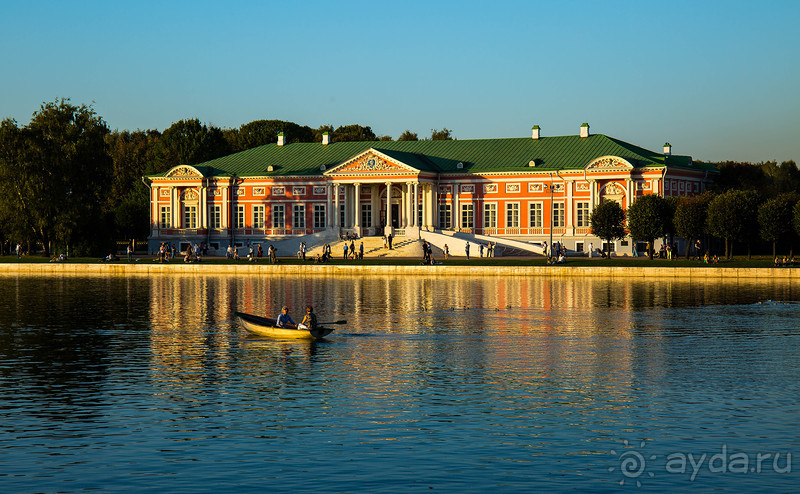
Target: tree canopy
[
  {"x": 648, "y": 219},
  {"x": 608, "y": 222},
  {"x": 54, "y": 174}
]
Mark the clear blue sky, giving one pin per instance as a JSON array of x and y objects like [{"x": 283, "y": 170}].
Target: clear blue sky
[{"x": 717, "y": 79}]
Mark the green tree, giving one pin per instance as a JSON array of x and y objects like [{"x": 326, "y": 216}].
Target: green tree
[
  {"x": 349, "y": 133},
  {"x": 690, "y": 218},
  {"x": 188, "y": 142},
  {"x": 608, "y": 222},
  {"x": 733, "y": 216},
  {"x": 261, "y": 132},
  {"x": 407, "y": 135},
  {"x": 56, "y": 180},
  {"x": 775, "y": 219},
  {"x": 647, "y": 219},
  {"x": 442, "y": 135}
]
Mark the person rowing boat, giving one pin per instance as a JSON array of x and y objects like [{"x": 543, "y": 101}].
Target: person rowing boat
[
  {"x": 284, "y": 320},
  {"x": 309, "y": 320}
]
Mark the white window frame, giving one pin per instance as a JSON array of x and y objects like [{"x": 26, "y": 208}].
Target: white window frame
[
  {"x": 512, "y": 215},
  {"x": 239, "y": 217},
  {"x": 298, "y": 216},
  {"x": 536, "y": 215},
  {"x": 445, "y": 216},
  {"x": 467, "y": 215},
  {"x": 258, "y": 216},
  {"x": 278, "y": 216},
  {"x": 558, "y": 215},
  {"x": 215, "y": 216},
  {"x": 190, "y": 216},
  {"x": 166, "y": 219},
  {"x": 320, "y": 216},
  {"x": 490, "y": 215},
  {"x": 582, "y": 214}
]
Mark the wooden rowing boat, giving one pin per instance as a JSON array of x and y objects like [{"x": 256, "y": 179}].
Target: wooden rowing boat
[{"x": 262, "y": 326}]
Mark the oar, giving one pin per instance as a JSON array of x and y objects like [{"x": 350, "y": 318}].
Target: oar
[{"x": 343, "y": 321}]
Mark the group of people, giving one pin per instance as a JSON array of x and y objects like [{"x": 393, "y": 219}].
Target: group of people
[
  {"x": 427, "y": 253},
  {"x": 489, "y": 250},
  {"x": 350, "y": 251},
  {"x": 166, "y": 252},
  {"x": 387, "y": 241},
  {"x": 284, "y": 320},
  {"x": 785, "y": 262}
]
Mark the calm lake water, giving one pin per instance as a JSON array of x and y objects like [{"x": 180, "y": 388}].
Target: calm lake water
[{"x": 473, "y": 384}]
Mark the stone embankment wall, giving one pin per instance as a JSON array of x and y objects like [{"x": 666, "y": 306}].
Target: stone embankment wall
[{"x": 265, "y": 269}]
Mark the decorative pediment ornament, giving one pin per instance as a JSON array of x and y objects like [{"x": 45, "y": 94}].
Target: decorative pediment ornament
[
  {"x": 189, "y": 195},
  {"x": 613, "y": 189},
  {"x": 184, "y": 171},
  {"x": 609, "y": 163},
  {"x": 368, "y": 162}
]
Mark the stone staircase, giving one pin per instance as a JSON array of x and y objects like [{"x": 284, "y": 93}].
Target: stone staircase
[{"x": 373, "y": 248}]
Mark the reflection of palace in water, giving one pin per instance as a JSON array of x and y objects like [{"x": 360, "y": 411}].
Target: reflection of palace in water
[{"x": 530, "y": 329}]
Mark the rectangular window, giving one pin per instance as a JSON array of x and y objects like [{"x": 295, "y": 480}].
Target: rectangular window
[
  {"x": 445, "y": 217},
  {"x": 467, "y": 216},
  {"x": 341, "y": 214},
  {"x": 190, "y": 217},
  {"x": 366, "y": 215},
  {"x": 278, "y": 216},
  {"x": 215, "y": 218},
  {"x": 299, "y": 216},
  {"x": 490, "y": 215},
  {"x": 239, "y": 217},
  {"x": 319, "y": 216},
  {"x": 258, "y": 216},
  {"x": 582, "y": 214},
  {"x": 535, "y": 215},
  {"x": 165, "y": 217},
  {"x": 558, "y": 215},
  {"x": 512, "y": 215}
]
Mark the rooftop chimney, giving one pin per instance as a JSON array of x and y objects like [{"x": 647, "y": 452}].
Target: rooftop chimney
[
  {"x": 325, "y": 140},
  {"x": 584, "y": 129},
  {"x": 281, "y": 142},
  {"x": 667, "y": 148},
  {"x": 535, "y": 130}
]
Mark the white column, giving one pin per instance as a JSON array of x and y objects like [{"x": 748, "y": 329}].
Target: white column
[
  {"x": 388, "y": 204},
  {"x": 435, "y": 205},
  {"x": 336, "y": 215},
  {"x": 173, "y": 207},
  {"x": 225, "y": 207},
  {"x": 454, "y": 213},
  {"x": 357, "y": 206},
  {"x": 592, "y": 194},
  {"x": 328, "y": 206},
  {"x": 568, "y": 206},
  {"x": 629, "y": 184},
  {"x": 203, "y": 206},
  {"x": 415, "y": 206}
]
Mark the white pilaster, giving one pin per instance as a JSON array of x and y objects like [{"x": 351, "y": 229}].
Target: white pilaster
[
  {"x": 336, "y": 214},
  {"x": 357, "y": 205}
]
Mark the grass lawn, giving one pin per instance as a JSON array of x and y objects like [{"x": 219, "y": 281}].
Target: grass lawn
[{"x": 740, "y": 262}]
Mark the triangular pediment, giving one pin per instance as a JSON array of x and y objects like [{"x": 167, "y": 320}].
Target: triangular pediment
[
  {"x": 606, "y": 163},
  {"x": 371, "y": 161},
  {"x": 182, "y": 171}
]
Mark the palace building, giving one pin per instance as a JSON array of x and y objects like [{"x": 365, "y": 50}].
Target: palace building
[{"x": 515, "y": 192}]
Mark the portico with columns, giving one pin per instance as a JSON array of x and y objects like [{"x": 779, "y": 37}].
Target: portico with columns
[{"x": 377, "y": 194}]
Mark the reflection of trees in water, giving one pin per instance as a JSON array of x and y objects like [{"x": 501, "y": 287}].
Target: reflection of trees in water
[{"x": 60, "y": 336}]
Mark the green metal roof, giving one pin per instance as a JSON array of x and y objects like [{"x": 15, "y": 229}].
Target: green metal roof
[{"x": 477, "y": 155}]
